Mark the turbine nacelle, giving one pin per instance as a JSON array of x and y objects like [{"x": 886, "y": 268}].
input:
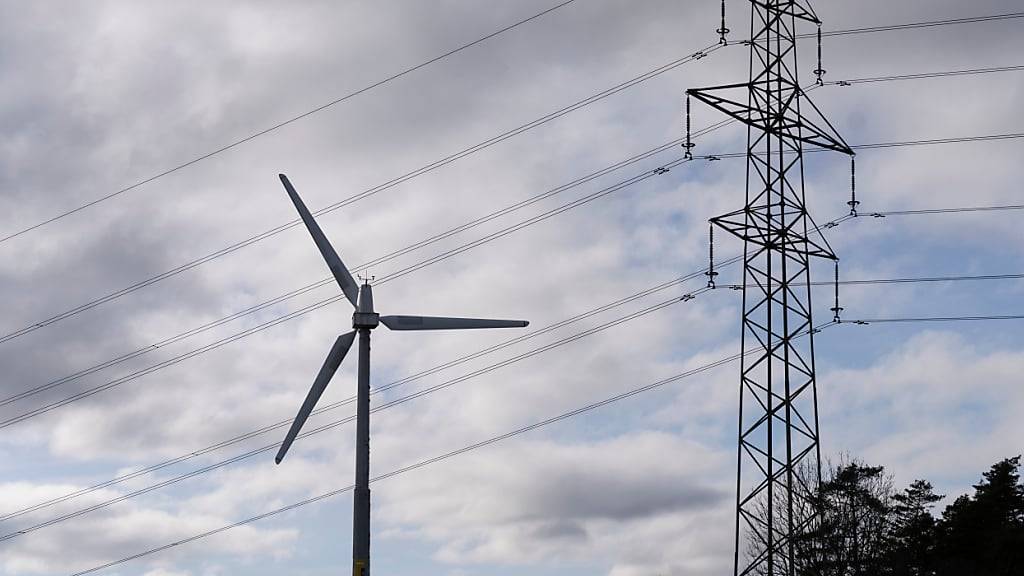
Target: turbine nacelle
[{"x": 365, "y": 316}]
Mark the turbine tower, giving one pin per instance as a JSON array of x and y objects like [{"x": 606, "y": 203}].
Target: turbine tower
[
  {"x": 778, "y": 415},
  {"x": 364, "y": 319}
]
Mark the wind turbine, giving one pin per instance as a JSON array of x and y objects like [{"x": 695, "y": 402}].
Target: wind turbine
[{"x": 364, "y": 319}]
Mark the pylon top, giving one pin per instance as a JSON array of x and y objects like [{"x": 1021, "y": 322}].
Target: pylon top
[{"x": 797, "y": 8}]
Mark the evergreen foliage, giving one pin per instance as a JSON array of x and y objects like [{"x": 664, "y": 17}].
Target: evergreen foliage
[{"x": 863, "y": 526}]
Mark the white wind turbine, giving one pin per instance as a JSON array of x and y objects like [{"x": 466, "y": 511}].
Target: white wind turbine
[{"x": 364, "y": 319}]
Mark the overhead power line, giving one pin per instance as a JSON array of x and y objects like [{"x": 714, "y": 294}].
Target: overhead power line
[
  {"x": 920, "y": 280},
  {"x": 369, "y": 192},
  {"x": 433, "y": 370},
  {"x": 925, "y": 75},
  {"x": 424, "y": 263},
  {"x": 423, "y": 463},
  {"x": 255, "y": 135},
  {"x": 490, "y": 368},
  {"x": 387, "y": 278},
  {"x": 325, "y": 281},
  {"x": 946, "y": 210},
  {"x": 408, "y": 270},
  {"x": 921, "y": 24},
  {"x": 284, "y": 123},
  {"x": 402, "y": 272},
  {"x": 865, "y": 321},
  {"x": 493, "y": 440},
  {"x": 437, "y": 164},
  {"x": 461, "y": 360},
  {"x": 331, "y": 425},
  {"x": 883, "y": 145},
  {"x": 329, "y": 280},
  {"x": 932, "y": 142}
]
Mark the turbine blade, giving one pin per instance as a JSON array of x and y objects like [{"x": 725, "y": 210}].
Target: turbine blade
[
  {"x": 442, "y": 323},
  {"x": 334, "y": 358},
  {"x": 341, "y": 273}
]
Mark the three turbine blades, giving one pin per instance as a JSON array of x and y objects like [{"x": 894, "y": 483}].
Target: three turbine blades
[{"x": 364, "y": 319}]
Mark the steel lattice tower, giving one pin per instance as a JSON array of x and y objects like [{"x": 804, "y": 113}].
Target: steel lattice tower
[{"x": 778, "y": 416}]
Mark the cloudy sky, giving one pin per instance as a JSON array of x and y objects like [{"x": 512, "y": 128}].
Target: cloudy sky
[{"x": 99, "y": 96}]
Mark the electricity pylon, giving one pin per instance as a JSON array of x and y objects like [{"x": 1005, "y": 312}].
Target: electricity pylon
[{"x": 778, "y": 414}]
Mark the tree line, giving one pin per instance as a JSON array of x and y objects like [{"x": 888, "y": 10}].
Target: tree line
[{"x": 862, "y": 525}]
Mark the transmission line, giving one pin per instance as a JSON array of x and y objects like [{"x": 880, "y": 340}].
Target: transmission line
[
  {"x": 442, "y": 457},
  {"x": 921, "y": 280},
  {"x": 253, "y": 239},
  {"x": 959, "y": 140},
  {"x": 466, "y": 358},
  {"x": 438, "y": 258},
  {"x": 442, "y": 162},
  {"x": 389, "y": 404},
  {"x": 463, "y": 359},
  {"x": 463, "y": 450},
  {"x": 392, "y": 276},
  {"x": 433, "y": 370},
  {"x": 865, "y": 321},
  {"x": 488, "y": 442},
  {"x": 945, "y": 210},
  {"x": 437, "y": 164},
  {"x": 325, "y": 281},
  {"x": 255, "y": 135},
  {"x": 389, "y": 277},
  {"x": 924, "y": 75},
  {"x": 364, "y": 194},
  {"x": 322, "y": 282},
  {"x": 284, "y": 123},
  {"x": 415, "y": 267},
  {"x": 921, "y": 24}
]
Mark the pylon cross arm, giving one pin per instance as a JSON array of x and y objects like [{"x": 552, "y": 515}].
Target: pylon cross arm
[
  {"x": 791, "y": 240},
  {"x": 788, "y": 124}
]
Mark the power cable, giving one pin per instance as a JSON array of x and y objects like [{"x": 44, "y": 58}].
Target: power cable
[
  {"x": 866, "y": 321},
  {"x": 253, "y": 136},
  {"x": 523, "y": 356},
  {"x": 922, "y": 24},
  {"x": 945, "y": 210},
  {"x": 392, "y": 276},
  {"x": 442, "y": 457},
  {"x": 519, "y": 431},
  {"x": 499, "y": 346},
  {"x": 959, "y": 140},
  {"x": 335, "y": 424},
  {"x": 327, "y": 407},
  {"x": 439, "y": 258},
  {"x": 883, "y": 145},
  {"x": 329, "y": 280},
  {"x": 430, "y": 167},
  {"x": 466, "y": 358},
  {"x": 926, "y": 279},
  {"x": 284, "y": 123},
  {"x": 291, "y": 224},
  {"x": 924, "y": 75}
]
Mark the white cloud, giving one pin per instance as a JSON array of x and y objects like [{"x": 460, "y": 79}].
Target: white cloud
[{"x": 101, "y": 97}]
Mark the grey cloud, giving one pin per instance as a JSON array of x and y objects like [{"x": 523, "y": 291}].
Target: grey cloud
[{"x": 94, "y": 98}]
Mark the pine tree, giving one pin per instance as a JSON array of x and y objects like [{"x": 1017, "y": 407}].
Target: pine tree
[
  {"x": 984, "y": 534},
  {"x": 912, "y": 540}
]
